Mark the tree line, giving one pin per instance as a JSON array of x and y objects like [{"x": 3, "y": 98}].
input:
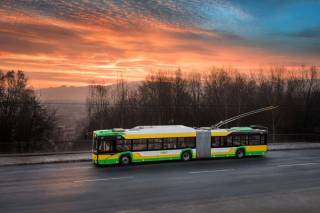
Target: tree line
[
  {"x": 163, "y": 97},
  {"x": 25, "y": 124},
  {"x": 202, "y": 99}
]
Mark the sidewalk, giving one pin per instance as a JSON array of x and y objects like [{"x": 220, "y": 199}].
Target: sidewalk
[
  {"x": 24, "y": 159},
  {"x": 42, "y": 158}
]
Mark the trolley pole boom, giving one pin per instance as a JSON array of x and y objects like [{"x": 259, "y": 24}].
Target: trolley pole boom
[{"x": 229, "y": 120}]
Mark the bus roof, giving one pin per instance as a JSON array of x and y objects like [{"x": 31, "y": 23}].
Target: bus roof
[
  {"x": 160, "y": 129},
  {"x": 164, "y": 131},
  {"x": 139, "y": 132},
  {"x": 108, "y": 133},
  {"x": 167, "y": 131},
  {"x": 225, "y": 132}
]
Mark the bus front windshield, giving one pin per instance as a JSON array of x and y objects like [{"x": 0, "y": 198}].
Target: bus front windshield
[{"x": 105, "y": 146}]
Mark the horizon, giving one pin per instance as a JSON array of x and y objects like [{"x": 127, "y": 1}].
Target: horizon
[{"x": 73, "y": 43}]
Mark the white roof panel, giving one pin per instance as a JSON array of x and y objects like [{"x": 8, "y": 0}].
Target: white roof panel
[{"x": 159, "y": 129}]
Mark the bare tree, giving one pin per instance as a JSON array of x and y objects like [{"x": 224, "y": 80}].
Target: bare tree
[
  {"x": 26, "y": 125},
  {"x": 98, "y": 106},
  {"x": 311, "y": 82},
  {"x": 195, "y": 89}
]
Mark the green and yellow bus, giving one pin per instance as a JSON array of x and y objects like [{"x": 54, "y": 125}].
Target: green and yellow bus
[{"x": 175, "y": 142}]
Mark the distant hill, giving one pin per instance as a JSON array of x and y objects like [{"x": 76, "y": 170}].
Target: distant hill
[
  {"x": 71, "y": 94},
  {"x": 63, "y": 94},
  {"x": 69, "y": 105}
]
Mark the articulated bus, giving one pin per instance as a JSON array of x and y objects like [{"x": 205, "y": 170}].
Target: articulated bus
[{"x": 175, "y": 142}]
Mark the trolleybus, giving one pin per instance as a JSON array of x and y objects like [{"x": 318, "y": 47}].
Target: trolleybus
[{"x": 175, "y": 142}]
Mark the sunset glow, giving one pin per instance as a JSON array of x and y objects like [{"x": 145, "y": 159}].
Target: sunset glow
[{"x": 77, "y": 42}]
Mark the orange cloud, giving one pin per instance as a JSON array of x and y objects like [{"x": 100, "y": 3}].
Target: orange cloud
[{"x": 58, "y": 52}]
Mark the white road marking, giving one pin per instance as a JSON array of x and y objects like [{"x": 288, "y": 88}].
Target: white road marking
[
  {"x": 103, "y": 179},
  {"x": 211, "y": 171},
  {"x": 297, "y": 164}
]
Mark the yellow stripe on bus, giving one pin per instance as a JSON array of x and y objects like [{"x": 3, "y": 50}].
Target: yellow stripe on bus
[
  {"x": 105, "y": 157},
  {"x": 259, "y": 148},
  {"x": 220, "y": 133}
]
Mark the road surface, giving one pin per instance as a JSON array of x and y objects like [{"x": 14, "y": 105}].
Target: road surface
[{"x": 282, "y": 181}]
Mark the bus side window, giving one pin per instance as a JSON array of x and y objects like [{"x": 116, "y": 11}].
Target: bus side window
[
  {"x": 123, "y": 145},
  {"x": 154, "y": 144},
  {"x": 180, "y": 143},
  {"x": 106, "y": 146},
  {"x": 215, "y": 141},
  {"x": 254, "y": 140},
  {"x": 190, "y": 142},
  {"x": 236, "y": 140},
  {"x": 228, "y": 143},
  {"x": 169, "y": 143},
  {"x": 244, "y": 140},
  {"x": 263, "y": 139},
  {"x": 223, "y": 141},
  {"x": 139, "y": 145}
]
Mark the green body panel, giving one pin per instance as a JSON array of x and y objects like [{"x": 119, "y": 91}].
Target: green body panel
[
  {"x": 107, "y": 161},
  {"x": 241, "y": 129},
  {"x": 223, "y": 155},
  {"x": 108, "y": 133},
  {"x": 255, "y": 153},
  {"x": 125, "y": 153}
]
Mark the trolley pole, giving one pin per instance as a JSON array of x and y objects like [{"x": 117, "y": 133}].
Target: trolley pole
[{"x": 237, "y": 117}]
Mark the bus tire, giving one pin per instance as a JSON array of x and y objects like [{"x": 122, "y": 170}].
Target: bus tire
[
  {"x": 240, "y": 153},
  {"x": 186, "y": 156},
  {"x": 125, "y": 160}
]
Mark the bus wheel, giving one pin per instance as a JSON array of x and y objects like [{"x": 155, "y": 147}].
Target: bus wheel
[
  {"x": 240, "y": 153},
  {"x": 125, "y": 160},
  {"x": 186, "y": 156}
]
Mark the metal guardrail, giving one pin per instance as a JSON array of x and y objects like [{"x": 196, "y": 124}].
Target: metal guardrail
[
  {"x": 294, "y": 138},
  {"x": 44, "y": 147}
]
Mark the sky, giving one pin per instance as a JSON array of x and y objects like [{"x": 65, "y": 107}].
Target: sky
[{"x": 76, "y": 42}]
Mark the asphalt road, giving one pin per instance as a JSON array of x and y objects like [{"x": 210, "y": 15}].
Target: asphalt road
[{"x": 282, "y": 181}]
